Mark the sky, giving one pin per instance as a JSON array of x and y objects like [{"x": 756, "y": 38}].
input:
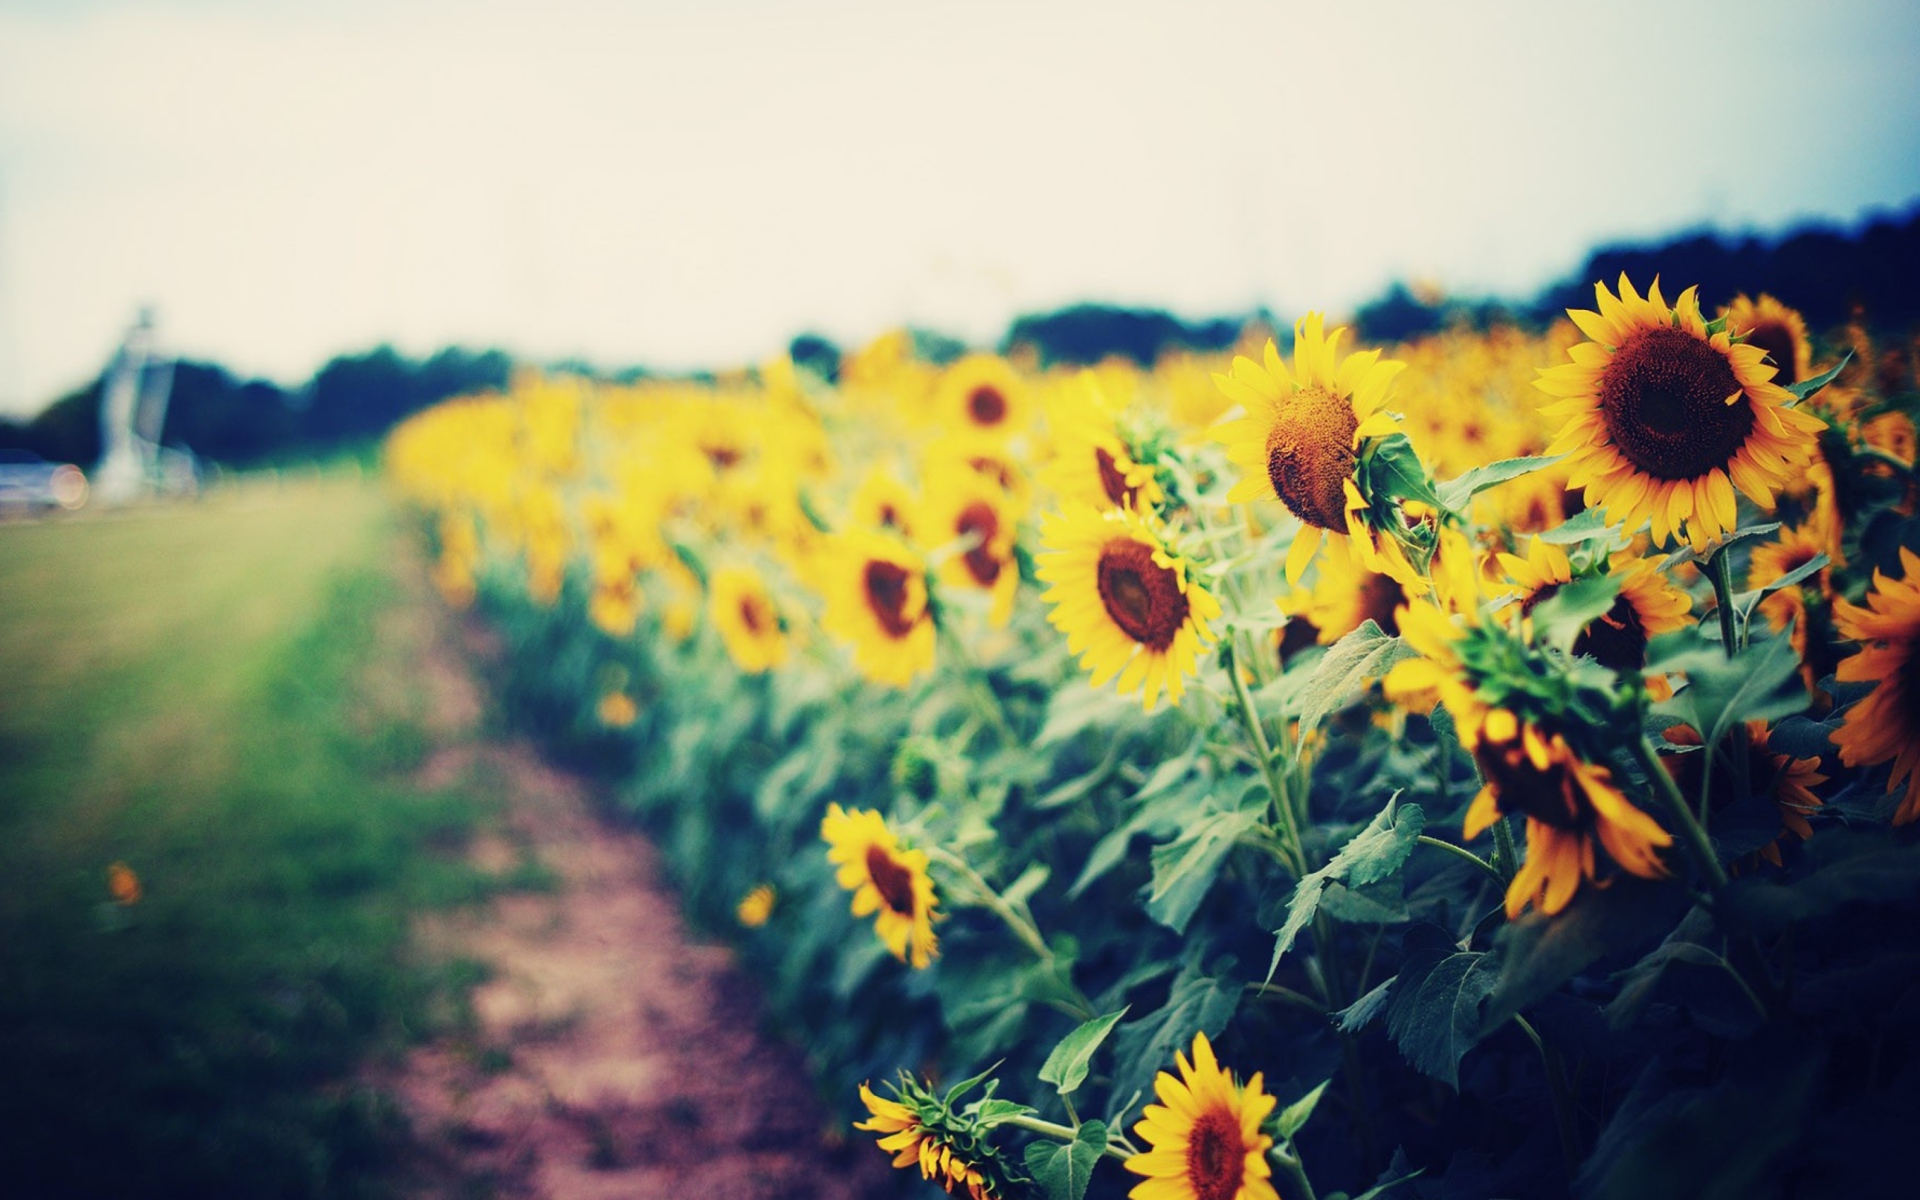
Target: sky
[{"x": 690, "y": 185}]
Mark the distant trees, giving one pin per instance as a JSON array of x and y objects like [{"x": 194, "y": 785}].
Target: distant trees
[{"x": 1087, "y": 333}]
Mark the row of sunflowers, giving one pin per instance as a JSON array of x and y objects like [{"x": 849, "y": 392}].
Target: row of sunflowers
[{"x": 1477, "y": 767}]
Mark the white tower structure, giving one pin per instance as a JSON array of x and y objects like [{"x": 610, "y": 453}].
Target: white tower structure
[{"x": 133, "y": 409}]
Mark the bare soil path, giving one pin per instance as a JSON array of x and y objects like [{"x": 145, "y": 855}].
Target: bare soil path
[{"x": 608, "y": 1053}]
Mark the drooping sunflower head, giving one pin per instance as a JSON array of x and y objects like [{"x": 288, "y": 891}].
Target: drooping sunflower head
[
  {"x": 1125, "y": 601},
  {"x": 1343, "y": 596},
  {"x": 889, "y": 882},
  {"x": 967, "y": 508},
  {"x": 1646, "y": 605},
  {"x": 950, "y": 1147},
  {"x": 1570, "y": 804},
  {"x": 982, "y": 392},
  {"x": 1777, "y": 330},
  {"x": 1665, "y": 418},
  {"x": 748, "y": 620},
  {"x": 1885, "y": 726},
  {"x": 876, "y": 594},
  {"x": 1205, "y": 1138}
]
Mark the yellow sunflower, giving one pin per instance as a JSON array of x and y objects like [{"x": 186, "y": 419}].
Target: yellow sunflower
[
  {"x": 882, "y": 502},
  {"x": 1646, "y": 606},
  {"x": 1787, "y": 781},
  {"x": 755, "y": 907},
  {"x": 615, "y": 604},
  {"x": 1776, "y": 329},
  {"x": 983, "y": 392},
  {"x": 1124, "y": 600},
  {"x": 1204, "y": 1136},
  {"x": 748, "y": 620},
  {"x": 963, "y": 505},
  {"x": 617, "y": 710},
  {"x": 1344, "y": 595},
  {"x": 1569, "y": 804},
  {"x": 1092, "y": 463},
  {"x": 888, "y": 882},
  {"x": 1300, "y": 439},
  {"x": 1664, "y": 420},
  {"x": 911, "y": 1142},
  {"x": 1886, "y": 725},
  {"x": 1795, "y": 547},
  {"x": 876, "y": 594}
]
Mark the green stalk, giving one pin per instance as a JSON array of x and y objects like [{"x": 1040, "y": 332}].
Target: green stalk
[
  {"x": 1505, "y": 857},
  {"x": 1059, "y": 1133},
  {"x": 1022, "y": 926},
  {"x": 1692, "y": 833},
  {"x": 1720, "y": 571},
  {"x": 1296, "y": 1172},
  {"x": 1562, "y": 1095},
  {"x": 1462, "y": 852},
  {"x": 1296, "y": 859}
]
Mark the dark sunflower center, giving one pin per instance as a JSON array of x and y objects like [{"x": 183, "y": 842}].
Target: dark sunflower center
[
  {"x": 1143, "y": 598},
  {"x": 893, "y": 881},
  {"x": 1663, "y": 400},
  {"x": 986, "y": 405},
  {"x": 1380, "y": 597},
  {"x": 1111, "y": 479},
  {"x": 722, "y": 456},
  {"x": 890, "y": 517},
  {"x": 1777, "y": 340},
  {"x": 886, "y": 585},
  {"x": 1553, "y": 796},
  {"x": 1296, "y": 635},
  {"x": 993, "y": 469},
  {"x": 1616, "y": 640},
  {"x": 980, "y": 521},
  {"x": 1310, "y": 456},
  {"x": 1216, "y": 1157},
  {"x": 753, "y": 615}
]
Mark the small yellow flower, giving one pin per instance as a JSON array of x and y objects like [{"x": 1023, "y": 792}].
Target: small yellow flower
[
  {"x": 888, "y": 882},
  {"x": 617, "y": 710},
  {"x": 755, "y": 907},
  {"x": 1205, "y": 1137},
  {"x": 123, "y": 885}
]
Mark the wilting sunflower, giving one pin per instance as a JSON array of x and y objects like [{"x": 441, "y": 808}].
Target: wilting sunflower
[
  {"x": 749, "y": 623},
  {"x": 1124, "y": 600},
  {"x": 963, "y": 505},
  {"x": 1787, "y": 781},
  {"x": 885, "y": 879},
  {"x": 911, "y": 1141},
  {"x": 1776, "y": 329},
  {"x": 1205, "y": 1136},
  {"x": 755, "y": 907},
  {"x": 1886, "y": 725},
  {"x": 1092, "y": 462},
  {"x": 1646, "y": 606},
  {"x": 876, "y": 593},
  {"x": 983, "y": 392},
  {"x": 1569, "y": 805},
  {"x": 1664, "y": 420},
  {"x": 1301, "y": 438}
]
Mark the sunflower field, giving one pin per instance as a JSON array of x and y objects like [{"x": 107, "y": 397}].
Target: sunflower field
[{"x": 1484, "y": 766}]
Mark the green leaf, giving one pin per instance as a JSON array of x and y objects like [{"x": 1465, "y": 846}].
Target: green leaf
[
  {"x": 1066, "y": 1067},
  {"x": 1584, "y": 527},
  {"x": 1559, "y": 619},
  {"x": 1197, "y": 1003},
  {"x": 1538, "y": 953},
  {"x": 1373, "y": 854},
  {"x": 1184, "y": 869},
  {"x": 993, "y": 1112},
  {"x": 1394, "y": 470},
  {"x": 1377, "y": 904},
  {"x": 1031, "y": 880},
  {"x": 1455, "y": 493},
  {"x": 1745, "y": 602},
  {"x": 1348, "y": 666},
  {"x": 1361, "y": 1012},
  {"x": 1845, "y": 867},
  {"x": 1808, "y": 387},
  {"x": 1434, "y": 1014},
  {"x": 1761, "y": 683},
  {"x": 1294, "y": 1116},
  {"x": 1063, "y": 1169}
]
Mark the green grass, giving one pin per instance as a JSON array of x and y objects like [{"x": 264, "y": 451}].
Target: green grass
[{"x": 188, "y": 690}]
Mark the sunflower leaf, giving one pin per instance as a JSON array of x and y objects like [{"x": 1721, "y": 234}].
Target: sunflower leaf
[
  {"x": 1063, "y": 1169},
  {"x": 1348, "y": 666},
  {"x": 1761, "y": 683},
  {"x": 1295, "y": 1116},
  {"x": 1808, "y": 387},
  {"x": 1184, "y": 869},
  {"x": 1393, "y": 469},
  {"x": 1745, "y": 602},
  {"x": 1559, "y": 618},
  {"x": 1456, "y": 492},
  {"x": 1197, "y": 1003},
  {"x": 1584, "y": 526},
  {"x": 1434, "y": 1012},
  {"x": 1373, "y": 854},
  {"x": 1066, "y": 1068}
]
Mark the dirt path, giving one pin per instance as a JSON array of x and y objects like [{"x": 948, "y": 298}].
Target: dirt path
[{"x": 609, "y": 1055}]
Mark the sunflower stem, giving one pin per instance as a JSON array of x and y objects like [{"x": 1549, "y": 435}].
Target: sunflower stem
[
  {"x": 985, "y": 700},
  {"x": 1505, "y": 857},
  {"x": 1720, "y": 572},
  {"x": 1276, "y": 789},
  {"x": 1463, "y": 852},
  {"x": 1287, "y": 1159},
  {"x": 1562, "y": 1095},
  {"x": 1691, "y": 831},
  {"x": 1020, "y": 923},
  {"x": 1059, "y": 1133}
]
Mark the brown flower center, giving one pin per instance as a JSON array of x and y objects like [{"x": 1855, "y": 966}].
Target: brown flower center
[
  {"x": 1216, "y": 1156},
  {"x": 754, "y": 615},
  {"x": 986, "y": 405},
  {"x": 1553, "y": 796},
  {"x": 1143, "y": 598},
  {"x": 890, "y": 517},
  {"x": 1777, "y": 340},
  {"x": 1380, "y": 598},
  {"x": 886, "y": 586},
  {"x": 722, "y": 456},
  {"x": 1616, "y": 639},
  {"x": 994, "y": 469},
  {"x": 1296, "y": 635},
  {"x": 1663, "y": 400},
  {"x": 1111, "y": 479},
  {"x": 1310, "y": 455},
  {"x": 893, "y": 881},
  {"x": 980, "y": 521}
]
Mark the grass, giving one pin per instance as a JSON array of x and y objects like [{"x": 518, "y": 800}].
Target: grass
[{"x": 186, "y": 691}]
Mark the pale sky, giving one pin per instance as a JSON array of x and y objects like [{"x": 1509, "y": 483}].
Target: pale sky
[{"x": 690, "y": 185}]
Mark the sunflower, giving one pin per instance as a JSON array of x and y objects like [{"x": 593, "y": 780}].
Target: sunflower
[
  {"x": 755, "y": 907},
  {"x": 1344, "y": 596},
  {"x": 1205, "y": 1136},
  {"x": 882, "y": 502},
  {"x": 885, "y": 879},
  {"x": 965, "y": 506},
  {"x": 983, "y": 392},
  {"x": 617, "y": 710},
  {"x": 615, "y": 604},
  {"x": 1124, "y": 600},
  {"x": 911, "y": 1142},
  {"x": 1796, "y": 546},
  {"x": 1300, "y": 439},
  {"x": 1787, "y": 781},
  {"x": 1664, "y": 419},
  {"x": 1646, "y": 606},
  {"x": 1569, "y": 804},
  {"x": 876, "y": 593},
  {"x": 1886, "y": 725},
  {"x": 749, "y": 623},
  {"x": 1092, "y": 462},
  {"x": 1776, "y": 329}
]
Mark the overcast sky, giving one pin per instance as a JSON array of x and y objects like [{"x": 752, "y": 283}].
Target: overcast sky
[{"x": 691, "y": 184}]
